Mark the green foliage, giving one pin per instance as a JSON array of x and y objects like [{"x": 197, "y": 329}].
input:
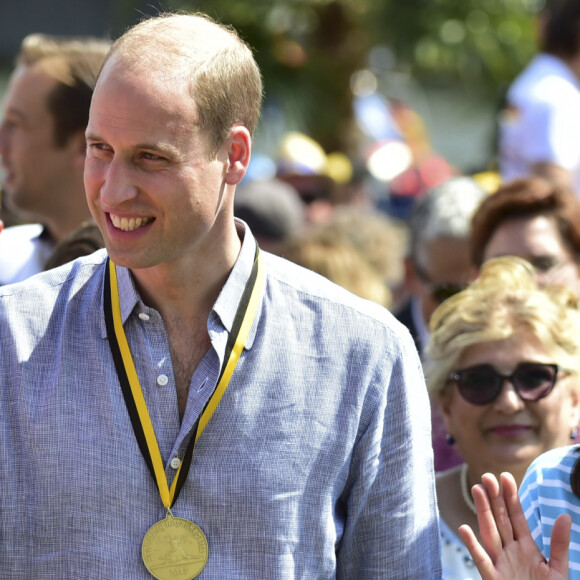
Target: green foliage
[
  {"x": 309, "y": 49},
  {"x": 482, "y": 42}
]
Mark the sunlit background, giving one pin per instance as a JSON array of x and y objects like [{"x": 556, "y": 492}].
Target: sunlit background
[{"x": 375, "y": 82}]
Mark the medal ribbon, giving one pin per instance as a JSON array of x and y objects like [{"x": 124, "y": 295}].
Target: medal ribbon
[{"x": 131, "y": 388}]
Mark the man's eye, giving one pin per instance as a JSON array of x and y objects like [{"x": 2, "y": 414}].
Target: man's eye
[
  {"x": 544, "y": 264},
  {"x": 151, "y": 156},
  {"x": 98, "y": 147}
]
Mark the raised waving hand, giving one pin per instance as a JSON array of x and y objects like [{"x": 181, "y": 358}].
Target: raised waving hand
[{"x": 507, "y": 550}]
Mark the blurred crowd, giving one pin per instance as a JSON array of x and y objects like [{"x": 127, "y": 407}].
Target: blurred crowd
[{"x": 398, "y": 225}]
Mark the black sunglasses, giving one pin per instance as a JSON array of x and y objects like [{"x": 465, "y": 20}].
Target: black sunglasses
[
  {"x": 482, "y": 384},
  {"x": 439, "y": 291}
]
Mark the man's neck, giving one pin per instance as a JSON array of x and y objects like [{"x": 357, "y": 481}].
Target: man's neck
[
  {"x": 65, "y": 207},
  {"x": 60, "y": 228},
  {"x": 187, "y": 289}
]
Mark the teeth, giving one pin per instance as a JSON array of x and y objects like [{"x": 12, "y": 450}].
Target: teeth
[{"x": 128, "y": 225}]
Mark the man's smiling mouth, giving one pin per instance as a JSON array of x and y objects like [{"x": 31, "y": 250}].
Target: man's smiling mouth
[{"x": 129, "y": 224}]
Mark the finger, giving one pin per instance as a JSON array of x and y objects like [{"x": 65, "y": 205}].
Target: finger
[
  {"x": 515, "y": 511},
  {"x": 488, "y": 531},
  {"x": 499, "y": 508},
  {"x": 480, "y": 557},
  {"x": 560, "y": 544}
]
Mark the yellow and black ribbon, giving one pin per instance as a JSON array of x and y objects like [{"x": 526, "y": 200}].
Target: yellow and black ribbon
[{"x": 133, "y": 394}]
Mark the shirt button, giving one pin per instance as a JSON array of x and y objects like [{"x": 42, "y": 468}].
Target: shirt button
[
  {"x": 162, "y": 380},
  {"x": 175, "y": 463},
  {"x": 144, "y": 316}
]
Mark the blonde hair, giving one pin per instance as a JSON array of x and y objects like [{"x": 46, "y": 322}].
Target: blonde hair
[
  {"x": 503, "y": 300},
  {"x": 335, "y": 258},
  {"x": 382, "y": 240},
  {"x": 223, "y": 78}
]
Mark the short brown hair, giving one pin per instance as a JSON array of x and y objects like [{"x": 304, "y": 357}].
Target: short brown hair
[
  {"x": 224, "y": 80},
  {"x": 526, "y": 198},
  {"x": 74, "y": 62}
]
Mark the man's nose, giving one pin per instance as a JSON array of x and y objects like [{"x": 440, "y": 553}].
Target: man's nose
[{"x": 118, "y": 184}]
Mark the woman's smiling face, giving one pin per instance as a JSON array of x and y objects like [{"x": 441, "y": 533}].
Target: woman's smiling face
[{"x": 508, "y": 433}]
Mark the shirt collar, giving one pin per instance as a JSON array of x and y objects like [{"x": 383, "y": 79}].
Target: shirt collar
[
  {"x": 128, "y": 295},
  {"x": 225, "y": 307},
  {"x": 227, "y": 302}
]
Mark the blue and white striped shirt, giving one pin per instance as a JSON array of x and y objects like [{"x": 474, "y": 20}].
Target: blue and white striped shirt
[
  {"x": 317, "y": 463},
  {"x": 545, "y": 493}
]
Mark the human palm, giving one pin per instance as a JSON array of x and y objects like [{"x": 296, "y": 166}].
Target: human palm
[{"x": 507, "y": 550}]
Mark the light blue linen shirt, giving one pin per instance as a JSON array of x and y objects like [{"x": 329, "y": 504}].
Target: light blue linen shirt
[{"x": 317, "y": 464}]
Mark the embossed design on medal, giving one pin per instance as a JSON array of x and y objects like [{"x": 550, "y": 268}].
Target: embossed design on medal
[{"x": 174, "y": 549}]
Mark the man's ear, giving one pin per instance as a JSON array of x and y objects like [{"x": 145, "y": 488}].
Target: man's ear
[{"x": 239, "y": 146}]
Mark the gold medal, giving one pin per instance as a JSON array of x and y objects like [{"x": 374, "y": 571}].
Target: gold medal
[{"x": 174, "y": 549}]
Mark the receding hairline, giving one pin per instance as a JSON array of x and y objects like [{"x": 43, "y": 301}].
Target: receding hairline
[
  {"x": 194, "y": 37},
  {"x": 195, "y": 53}
]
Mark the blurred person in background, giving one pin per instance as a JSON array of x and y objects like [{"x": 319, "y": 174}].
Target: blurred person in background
[
  {"x": 328, "y": 253},
  {"x": 8, "y": 215},
  {"x": 540, "y": 123},
  {"x": 504, "y": 356},
  {"x": 438, "y": 262},
  {"x": 381, "y": 239},
  {"x": 396, "y": 149},
  {"x": 82, "y": 241},
  {"x": 535, "y": 219},
  {"x": 438, "y": 266},
  {"x": 272, "y": 209},
  {"x": 320, "y": 179},
  {"x": 427, "y": 169},
  {"x": 42, "y": 145}
]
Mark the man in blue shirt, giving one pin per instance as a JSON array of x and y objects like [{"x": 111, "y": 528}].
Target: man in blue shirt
[{"x": 182, "y": 404}]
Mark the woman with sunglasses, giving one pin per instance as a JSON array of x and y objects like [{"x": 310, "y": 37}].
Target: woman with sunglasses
[{"x": 503, "y": 357}]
